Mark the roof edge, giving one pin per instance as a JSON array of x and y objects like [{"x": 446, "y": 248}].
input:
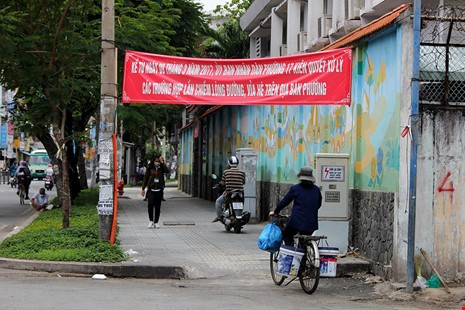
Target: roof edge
[{"x": 368, "y": 29}]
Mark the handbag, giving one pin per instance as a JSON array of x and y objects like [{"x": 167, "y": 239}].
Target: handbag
[{"x": 270, "y": 239}]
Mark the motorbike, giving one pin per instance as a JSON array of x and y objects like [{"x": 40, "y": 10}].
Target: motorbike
[
  {"x": 48, "y": 183},
  {"x": 13, "y": 181},
  {"x": 233, "y": 215}
]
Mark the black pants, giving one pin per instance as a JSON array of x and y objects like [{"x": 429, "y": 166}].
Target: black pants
[
  {"x": 154, "y": 200},
  {"x": 25, "y": 185},
  {"x": 289, "y": 233}
]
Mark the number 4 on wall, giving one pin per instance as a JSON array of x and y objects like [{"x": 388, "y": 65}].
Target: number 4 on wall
[
  {"x": 450, "y": 186},
  {"x": 442, "y": 187}
]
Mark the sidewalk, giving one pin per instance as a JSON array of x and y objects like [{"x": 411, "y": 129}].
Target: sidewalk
[{"x": 187, "y": 245}]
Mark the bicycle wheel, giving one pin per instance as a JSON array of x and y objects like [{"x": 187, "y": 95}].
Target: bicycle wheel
[
  {"x": 21, "y": 198},
  {"x": 277, "y": 278},
  {"x": 309, "y": 275},
  {"x": 21, "y": 194}
]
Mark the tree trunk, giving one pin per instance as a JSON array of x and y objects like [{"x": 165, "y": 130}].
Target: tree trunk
[
  {"x": 66, "y": 207},
  {"x": 72, "y": 156},
  {"x": 59, "y": 118},
  {"x": 82, "y": 170}
]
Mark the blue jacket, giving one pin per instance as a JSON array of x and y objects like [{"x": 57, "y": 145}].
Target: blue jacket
[{"x": 307, "y": 201}]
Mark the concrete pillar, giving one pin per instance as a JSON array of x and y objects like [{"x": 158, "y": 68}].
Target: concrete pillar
[
  {"x": 293, "y": 25},
  {"x": 253, "y": 47},
  {"x": 276, "y": 34}
]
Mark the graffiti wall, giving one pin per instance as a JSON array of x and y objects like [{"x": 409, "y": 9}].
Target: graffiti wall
[{"x": 288, "y": 137}]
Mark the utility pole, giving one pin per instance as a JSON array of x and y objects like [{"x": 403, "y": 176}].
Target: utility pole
[
  {"x": 107, "y": 125},
  {"x": 415, "y": 117}
]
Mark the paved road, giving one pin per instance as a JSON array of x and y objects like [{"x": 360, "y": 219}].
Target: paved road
[
  {"x": 223, "y": 270},
  {"x": 37, "y": 291}
]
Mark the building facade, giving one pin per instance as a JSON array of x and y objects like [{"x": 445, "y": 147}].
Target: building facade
[{"x": 373, "y": 130}]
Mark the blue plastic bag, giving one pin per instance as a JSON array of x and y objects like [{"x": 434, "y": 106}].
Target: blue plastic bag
[{"x": 270, "y": 239}]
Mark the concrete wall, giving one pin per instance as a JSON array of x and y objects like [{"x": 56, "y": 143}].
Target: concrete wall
[
  {"x": 440, "y": 198},
  {"x": 286, "y": 138},
  {"x": 372, "y": 229},
  {"x": 440, "y": 222}
]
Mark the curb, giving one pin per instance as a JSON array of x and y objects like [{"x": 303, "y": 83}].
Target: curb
[
  {"x": 125, "y": 270},
  {"x": 349, "y": 266},
  {"x": 117, "y": 270}
]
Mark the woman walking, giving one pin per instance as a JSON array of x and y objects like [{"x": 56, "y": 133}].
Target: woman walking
[{"x": 154, "y": 181}]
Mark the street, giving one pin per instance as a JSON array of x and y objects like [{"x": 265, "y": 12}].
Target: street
[
  {"x": 228, "y": 273},
  {"x": 22, "y": 290},
  {"x": 12, "y": 214}
]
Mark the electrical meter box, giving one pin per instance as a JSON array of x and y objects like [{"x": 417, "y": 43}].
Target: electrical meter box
[
  {"x": 332, "y": 174},
  {"x": 248, "y": 164}
]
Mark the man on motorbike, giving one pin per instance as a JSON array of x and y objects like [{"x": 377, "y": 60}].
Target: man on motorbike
[
  {"x": 307, "y": 200},
  {"x": 12, "y": 170},
  {"x": 49, "y": 171},
  {"x": 49, "y": 177},
  {"x": 232, "y": 179}
]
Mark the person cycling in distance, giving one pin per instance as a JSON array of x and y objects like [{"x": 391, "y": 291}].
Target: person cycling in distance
[
  {"x": 23, "y": 176},
  {"x": 232, "y": 179},
  {"x": 307, "y": 200}
]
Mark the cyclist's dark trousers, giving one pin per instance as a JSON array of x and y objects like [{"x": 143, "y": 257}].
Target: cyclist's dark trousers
[
  {"x": 289, "y": 233},
  {"x": 26, "y": 188},
  {"x": 27, "y": 184}
]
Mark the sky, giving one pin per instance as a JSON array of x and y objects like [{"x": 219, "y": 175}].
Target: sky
[{"x": 209, "y": 5}]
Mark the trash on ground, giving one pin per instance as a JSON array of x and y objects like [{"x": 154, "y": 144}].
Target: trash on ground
[
  {"x": 433, "y": 282},
  {"x": 131, "y": 252},
  {"x": 374, "y": 279},
  {"x": 99, "y": 276},
  {"x": 420, "y": 282}
]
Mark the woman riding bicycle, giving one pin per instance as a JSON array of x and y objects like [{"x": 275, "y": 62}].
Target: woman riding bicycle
[
  {"x": 23, "y": 176},
  {"x": 307, "y": 200}
]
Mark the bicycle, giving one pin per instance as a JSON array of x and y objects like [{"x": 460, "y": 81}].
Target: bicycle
[
  {"x": 21, "y": 190},
  {"x": 309, "y": 270}
]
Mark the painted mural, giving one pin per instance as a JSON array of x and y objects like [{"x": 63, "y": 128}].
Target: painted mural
[{"x": 288, "y": 137}]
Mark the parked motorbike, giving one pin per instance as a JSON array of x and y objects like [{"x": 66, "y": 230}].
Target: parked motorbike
[
  {"x": 48, "y": 183},
  {"x": 13, "y": 181},
  {"x": 233, "y": 215}
]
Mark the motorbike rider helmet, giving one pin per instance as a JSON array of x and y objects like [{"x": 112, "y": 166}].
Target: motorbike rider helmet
[{"x": 233, "y": 161}]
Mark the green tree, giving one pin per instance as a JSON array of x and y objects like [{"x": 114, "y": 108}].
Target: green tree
[
  {"x": 50, "y": 56},
  {"x": 228, "y": 41},
  {"x": 185, "y": 33},
  {"x": 233, "y": 9},
  {"x": 50, "y": 53},
  {"x": 139, "y": 121}
]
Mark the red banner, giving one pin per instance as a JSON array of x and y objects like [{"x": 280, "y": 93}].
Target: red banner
[{"x": 315, "y": 78}]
